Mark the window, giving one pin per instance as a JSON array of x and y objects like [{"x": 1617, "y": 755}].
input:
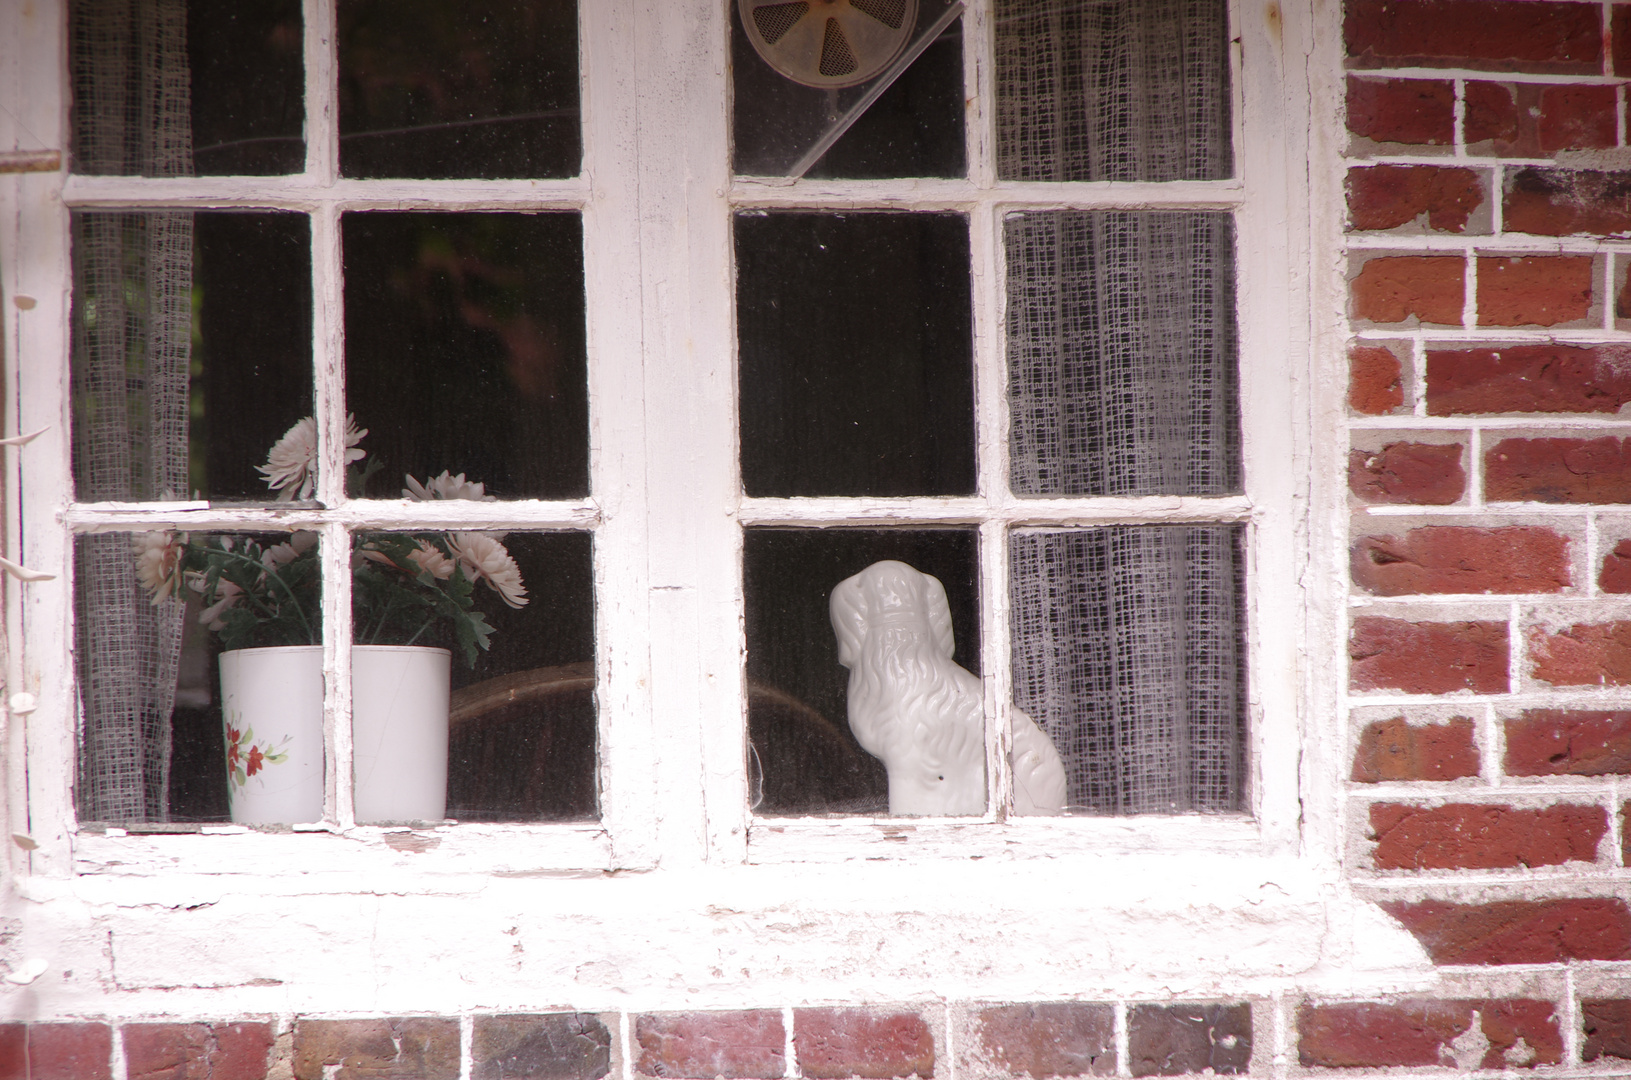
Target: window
[{"x": 684, "y": 497}]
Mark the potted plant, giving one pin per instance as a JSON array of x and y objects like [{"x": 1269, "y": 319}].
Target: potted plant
[{"x": 263, "y": 600}]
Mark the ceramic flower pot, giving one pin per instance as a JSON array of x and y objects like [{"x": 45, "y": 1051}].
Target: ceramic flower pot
[
  {"x": 272, "y": 703},
  {"x": 399, "y": 701},
  {"x": 272, "y": 706}
]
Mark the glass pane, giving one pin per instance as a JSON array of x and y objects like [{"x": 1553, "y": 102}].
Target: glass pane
[
  {"x": 1129, "y": 651},
  {"x": 855, "y": 354},
  {"x": 184, "y": 87},
  {"x": 806, "y": 759},
  {"x": 914, "y": 129},
  {"x": 191, "y": 351},
  {"x": 465, "y": 350},
  {"x": 1122, "y": 353},
  {"x": 480, "y": 89},
  {"x": 154, "y": 615},
  {"x": 1113, "y": 90}
]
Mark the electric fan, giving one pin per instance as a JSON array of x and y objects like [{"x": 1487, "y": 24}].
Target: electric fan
[{"x": 829, "y": 44}]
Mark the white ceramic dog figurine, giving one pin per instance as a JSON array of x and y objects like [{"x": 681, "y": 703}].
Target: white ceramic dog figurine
[{"x": 920, "y": 713}]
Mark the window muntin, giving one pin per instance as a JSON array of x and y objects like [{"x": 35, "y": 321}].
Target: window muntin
[
  {"x": 1122, "y": 384},
  {"x": 614, "y": 278}
]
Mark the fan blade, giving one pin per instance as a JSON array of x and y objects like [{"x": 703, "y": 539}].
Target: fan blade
[
  {"x": 837, "y": 58},
  {"x": 889, "y": 12},
  {"x": 774, "y": 20}
]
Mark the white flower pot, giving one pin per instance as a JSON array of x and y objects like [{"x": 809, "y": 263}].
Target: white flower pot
[
  {"x": 272, "y": 704},
  {"x": 399, "y": 699}
]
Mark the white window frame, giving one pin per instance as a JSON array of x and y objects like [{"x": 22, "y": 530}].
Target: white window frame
[{"x": 666, "y": 508}]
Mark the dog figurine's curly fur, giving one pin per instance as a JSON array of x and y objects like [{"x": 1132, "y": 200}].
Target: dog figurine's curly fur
[{"x": 919, "y": 712}]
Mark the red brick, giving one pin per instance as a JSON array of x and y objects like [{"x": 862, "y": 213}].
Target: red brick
[
  {"x": 1420, "y": 474},
  {"x": 1387, "y": 196},
  {"x": 401, "y": 1049},
  {"x": 1373, "y": 380},
  {"x": 702, "y": 1045},
  {"x": 56, "y": 1051},
  {"x": 1393, "y": 288},
  {"x": 188, "y": 1051},
  {"x": 1067, "y": 1038},
  {"x": 1462, "y": 559},
  {"x": 1471, "y": 836},
  {"x": 1583, "y": 655},
  {"x": 1615, "y": 576},
  {"x": 1568, "y": 742},
  {"x": 1427, "y": 657},
  {"x": 1577, "y": 118},
  {"x": 1548, "y": 378},
  {"x": 1395, "y": 750},
  {"x": 1415, "y": 112},
  {"x": 1606, "y": 1022},
  {"x": 1490, "y": 115},
  {"x": 1422, "y": 1033},
  {"x": 1562, "y": 202},
  {"x": 1180, "y": 1040},
  {"x": 1620, "y": 32},
  {"x": 1559, "y": 470},
  {"x": 1487, "y": 35},
  {"x": 1533, "y": 290},
  {"x": 548, "y": 1046},
  {"x": 835, "y": 1043},
  {"x": 1518, "y": 931},
  {"x": 1622, "y": 299}
]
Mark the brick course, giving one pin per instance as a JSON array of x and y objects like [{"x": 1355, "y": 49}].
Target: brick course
[
  {"x": 1420, "y": 474},
  {"x": 1560, "y": 202},
  {"x": 1175, "y": 1040},
  {"x": 1427, "y": 657},
  {"x": 832, "y": 1044},
  {"x": 1459, "y": 559},
  {"x": 702, "y": 1045},
  {"x": 1564, "y": 742},
  {"x": 1402, "y": 288},
  {"x": 1533, "y": 290},
  {"x": 1559, "y": 470},
  {"x": 555, "y": 1046},
  {"x": 1471, "y": 836},
  {"x": 1549, "y": 378},
  {"x": 1426, "y": 1033},
  {"x": 1374, "y": 387},
  {"x": 1395, "y": 750},
  {"x": 1585, "y": 654},
  {"x": 1413, "y": 112},
  {"x": 417, "y": 1048},
  {"x": 1518, "y": 931},
  {"x": 1484, "y": 34},
  {"x": 202, "y": 1051},
  {"x": 1067, "y": 1038},
  {"x": 1607, "y": 1027},
  {"x": 1388, "y": 196},
  {"x": 67, "y": 1051}
]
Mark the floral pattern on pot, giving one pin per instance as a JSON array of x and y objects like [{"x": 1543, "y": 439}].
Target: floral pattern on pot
[{"x": 246, "y": 757}]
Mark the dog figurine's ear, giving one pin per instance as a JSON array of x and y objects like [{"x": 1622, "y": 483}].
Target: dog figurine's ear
[
  {"x": 939, "y": 612},
  {"x": 847, "y": 607}
]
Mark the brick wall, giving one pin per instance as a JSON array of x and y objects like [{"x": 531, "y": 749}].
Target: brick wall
[{"x": 1489, "y": 242}]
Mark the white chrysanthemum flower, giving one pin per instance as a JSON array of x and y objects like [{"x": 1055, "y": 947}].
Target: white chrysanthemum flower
[
  {"x": 447, "y": 486},
  {"x": 226, "y": 595},
  {"x": 291, "y": 467},
  {"x": 280, "y": 555},
  {"x": 430, "y": 560},
  {"x": 485, "y": 559},
  {"x": 158, "y": 563}
]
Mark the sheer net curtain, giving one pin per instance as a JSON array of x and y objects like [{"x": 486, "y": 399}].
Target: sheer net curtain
[
  {"x": 131, "y": 341},
  {"x": 1127, "y": 644}
]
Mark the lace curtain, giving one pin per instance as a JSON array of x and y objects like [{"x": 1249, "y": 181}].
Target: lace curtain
[
  {"x": 1127, "y": 644},
  {"x": 132, "y": 327}
]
